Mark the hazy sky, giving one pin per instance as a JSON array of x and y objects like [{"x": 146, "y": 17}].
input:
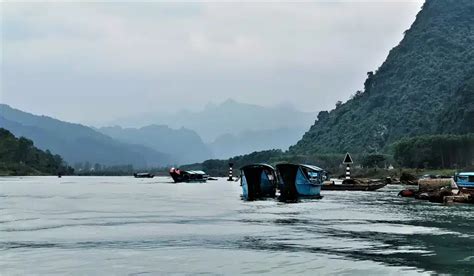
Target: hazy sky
[{"x": 99, "y": 61}]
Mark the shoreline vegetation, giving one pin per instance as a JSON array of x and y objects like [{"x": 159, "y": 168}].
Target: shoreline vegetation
[
  {"x": 19, "y": 156},
  {"x": 413, "y": 157}
]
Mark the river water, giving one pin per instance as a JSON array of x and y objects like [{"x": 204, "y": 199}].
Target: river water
[{"x": 122, "y": 225}]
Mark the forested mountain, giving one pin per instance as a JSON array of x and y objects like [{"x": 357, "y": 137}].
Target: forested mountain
[
  {"x": 424, "y": 87},
  {"x": 458, "y": 116},
  {"x": 436, "y": 151},
  {"x": 183, "y": 144},
  {"x": 77, "y": 143},
  {"x": 19, "y": 156}
]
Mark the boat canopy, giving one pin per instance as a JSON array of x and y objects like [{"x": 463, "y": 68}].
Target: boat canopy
[
  {"x": 258, "y": 173},
  {"x": 301, "y": 174},
  {"x": 195, "y": 172},
  {"x": 311, "y": 167},
  {"x": 259, "y": 177},
  {"x": 466, "y": 174},
  {"x": 258, "y": 181},
  {"x": 259, "y": 165},
  {"x": 299, "y": 180}
]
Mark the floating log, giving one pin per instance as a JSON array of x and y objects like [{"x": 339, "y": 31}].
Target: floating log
[{"x": 462, "y": 198}]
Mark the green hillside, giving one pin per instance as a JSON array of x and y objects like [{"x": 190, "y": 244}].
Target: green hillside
[
  {"x": 425, "y": 86},
  {"x": 458, "y": 116},
  {"x": 18, "y": 156},
  {"x": 78, "y": 143}
]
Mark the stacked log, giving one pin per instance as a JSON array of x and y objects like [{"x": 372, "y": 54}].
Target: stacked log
[
  {"x": 461, "y": 198},
  {"x": 440, "y": 190},
  {"x": 430, "y": 185}
]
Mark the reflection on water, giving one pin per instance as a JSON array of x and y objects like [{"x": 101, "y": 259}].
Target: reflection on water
[{"x": 122, "y": 225}]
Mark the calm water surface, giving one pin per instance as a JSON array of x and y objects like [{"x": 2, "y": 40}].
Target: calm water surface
[{"x": 122, "y": 225}]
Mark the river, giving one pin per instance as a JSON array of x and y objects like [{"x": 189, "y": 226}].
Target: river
[{"x": 128, "y": 226}]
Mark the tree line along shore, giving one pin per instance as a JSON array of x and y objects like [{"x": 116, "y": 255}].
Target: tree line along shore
[{"x": 427, "y": 154}]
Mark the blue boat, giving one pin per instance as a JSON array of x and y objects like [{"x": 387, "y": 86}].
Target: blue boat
[
  {"x": 258, "y": 181},
  {"x": 465, "y": 179},
  {"x": 297, "y": 181}
]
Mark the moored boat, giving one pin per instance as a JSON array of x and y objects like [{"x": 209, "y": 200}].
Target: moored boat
[
  {"x": 258, "y": 181},
  {"x": 143, "y": 175},
  {"x": 354, "y": 185},
  {"x": 188, "y": 176},
  {"x": 300, "y": 181},
  {"x": 464, "y": 179}
]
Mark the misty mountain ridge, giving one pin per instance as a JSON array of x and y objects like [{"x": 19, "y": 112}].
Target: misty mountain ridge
[
  {"x": 78, "y": 143},
  {"x": 228, "y": 117},
  {"x": 149, "y": 146},
  {"x": 229, "y": 145},
  {"x": 183, "y": 144},
  {"x": 186, "y": 146},
  {"x": 228, "y": 128}
]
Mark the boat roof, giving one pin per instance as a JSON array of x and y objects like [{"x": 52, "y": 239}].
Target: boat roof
[
  {"x": 310, "y": 167},
  {"x": 262, "y": 165},
  {"x": 466, "y": 173},
  {"x": 195, "y": 172}
]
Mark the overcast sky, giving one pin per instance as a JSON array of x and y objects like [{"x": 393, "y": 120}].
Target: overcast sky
[{"x": 96, "y": 62}]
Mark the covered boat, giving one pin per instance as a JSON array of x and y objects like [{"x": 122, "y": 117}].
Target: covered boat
[
  {"x": 143, "y": 175},
  {"x": 465, "y": 180},
  {"x": 188, "y": 176},
  {"x": 300, "y": 181},
  {"x": 258, "y": 181}
]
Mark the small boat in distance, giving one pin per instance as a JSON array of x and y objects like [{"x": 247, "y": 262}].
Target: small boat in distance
[
  {"x": 143, "y": 175},
  {"x": 188, "y": 176},
  {"x": 258, "y": 181},
  {"x": 300, "y": 181}
]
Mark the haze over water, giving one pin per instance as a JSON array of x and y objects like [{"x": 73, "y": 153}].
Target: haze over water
[{"x": 122, "y": 225}]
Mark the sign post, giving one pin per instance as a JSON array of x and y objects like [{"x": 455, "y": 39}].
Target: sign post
[
  {"x": 231, "y": 178},
  {"x": 348, "y": 161}
]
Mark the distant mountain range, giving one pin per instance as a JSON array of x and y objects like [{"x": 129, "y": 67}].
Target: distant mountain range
[
  {"x": 229, "y": 145},
  {"x": 229, "y": 128},
  {"x": 257, "y": 128},
  {"x": 186, "y": 146},
  {"x": 228, "y": 117},
  {"x": 78, "y": 143},
  {"x": 183, "y": 144}
]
